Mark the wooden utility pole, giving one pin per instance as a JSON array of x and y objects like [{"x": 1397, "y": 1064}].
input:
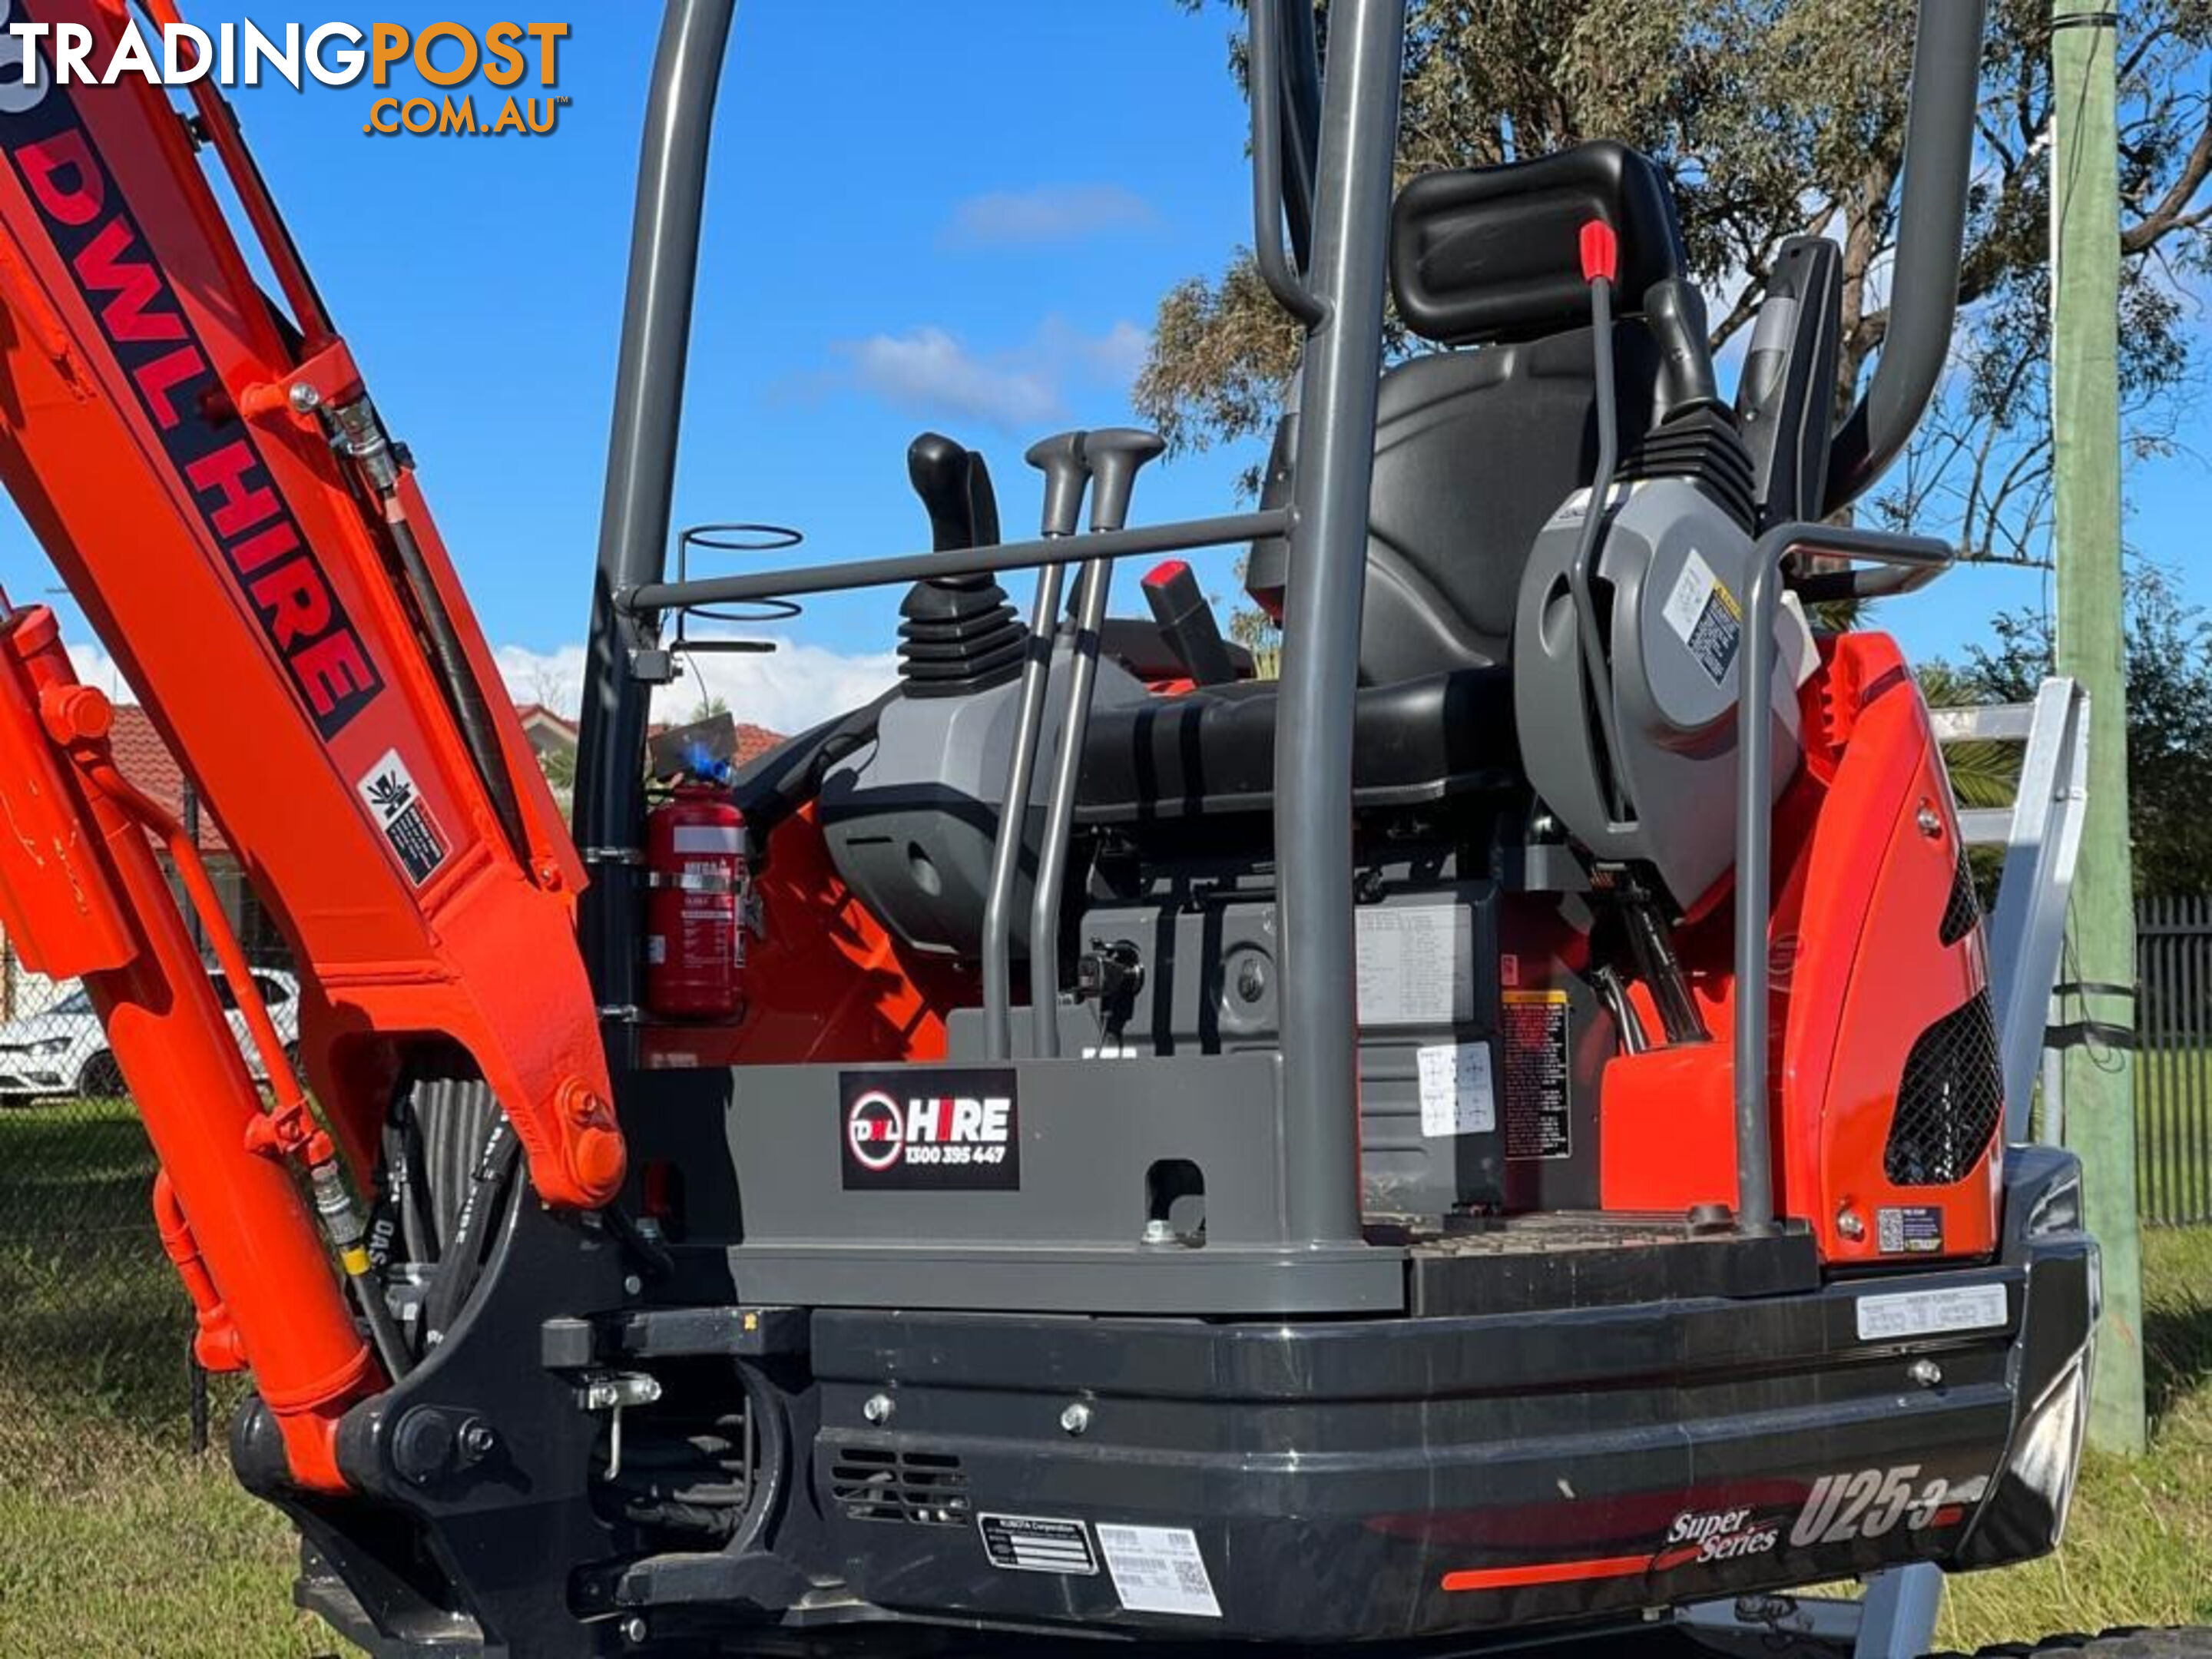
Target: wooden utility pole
[{"x": 2099, "y": 1075}]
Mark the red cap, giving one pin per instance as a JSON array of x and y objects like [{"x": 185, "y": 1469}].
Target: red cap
[
  {"x": 1166, "y": 571},
  {"x": 1601, "y": 251}
]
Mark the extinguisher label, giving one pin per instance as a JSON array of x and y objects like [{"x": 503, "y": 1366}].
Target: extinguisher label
[
  {"x": 923, "y": 1129},
  {"x": 388, "y": 790}
]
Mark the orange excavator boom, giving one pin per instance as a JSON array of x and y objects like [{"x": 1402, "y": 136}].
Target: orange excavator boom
[{"x": 207, "y": 471}]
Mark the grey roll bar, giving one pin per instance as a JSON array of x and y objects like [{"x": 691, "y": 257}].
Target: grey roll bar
[
  {"x": 1910, "y": 561},
  {"x": 656, "y": 340},
  {"x": 1341, "y": 164},
  {"x": 1181, "y": 537},
  {"x": 1923, "y": 302},
  {"x": 1331, "y": 477}
]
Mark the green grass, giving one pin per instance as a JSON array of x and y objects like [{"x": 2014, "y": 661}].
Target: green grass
[
  {"x": 116, "y": 1540},
  {"x": 2138, "y": 1549}
]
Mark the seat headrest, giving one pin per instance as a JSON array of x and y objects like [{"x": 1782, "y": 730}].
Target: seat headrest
[{"x": 1485, "y": 254}]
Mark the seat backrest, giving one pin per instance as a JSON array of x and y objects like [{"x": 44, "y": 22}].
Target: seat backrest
[{"x": 1477, "y": 446}]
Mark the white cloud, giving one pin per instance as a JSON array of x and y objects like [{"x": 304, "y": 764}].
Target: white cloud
[
  {"x": 1046, "y": 214},
  {"x": 929, "y": 372},
  {"x": 94, "y": 667},
  {"x": 787, "y": 691}
]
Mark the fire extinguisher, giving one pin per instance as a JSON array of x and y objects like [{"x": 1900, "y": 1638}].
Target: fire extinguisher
[{"x": 696, "y": 906}]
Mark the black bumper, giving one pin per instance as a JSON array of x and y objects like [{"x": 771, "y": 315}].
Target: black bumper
[{"x": 1362, "y": 1479}]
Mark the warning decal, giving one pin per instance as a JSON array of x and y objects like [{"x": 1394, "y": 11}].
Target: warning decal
[
  {"x": 1909, "y": 1229},
  {"x": 388, "y": 790},
  {"x": 1537, "y": 1069},
  {"x": 1158, "y": 1570},
  {"x": 1415, "y": 964},
  {"x": 1455, "y": 1094},
  {"x": 1033, "y": 1543},
  {"x": 1705, "y": 616},
  {"x": 936, "y": 1130}
]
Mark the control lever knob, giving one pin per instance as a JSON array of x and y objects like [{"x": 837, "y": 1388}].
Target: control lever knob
[
  {"x": 1115, "y": 454},
  {"x": 1060, "y": 458},
  {"x": 955, "y": 488}
]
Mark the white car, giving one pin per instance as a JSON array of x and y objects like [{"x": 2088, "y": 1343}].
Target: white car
[{"x": 63, "y": 1051}]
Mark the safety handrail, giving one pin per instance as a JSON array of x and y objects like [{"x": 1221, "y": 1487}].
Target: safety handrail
[
  {"x": 1754, "y": 851},
  {"x": 1181, "y": 537}
]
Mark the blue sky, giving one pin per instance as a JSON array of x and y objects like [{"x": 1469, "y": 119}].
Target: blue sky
[{"x": 960, "y": 215}]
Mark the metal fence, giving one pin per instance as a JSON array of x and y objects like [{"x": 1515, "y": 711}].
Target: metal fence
[
  {"x": 94, "y": 1330},
  {"x": 2173, "y": 1062}
]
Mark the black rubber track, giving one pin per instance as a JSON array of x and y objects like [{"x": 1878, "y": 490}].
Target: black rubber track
[{"x": 2176, "y": 1641}]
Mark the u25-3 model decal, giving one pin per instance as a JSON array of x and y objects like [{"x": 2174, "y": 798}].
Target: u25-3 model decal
[{"x": 1874, "y": 1502}]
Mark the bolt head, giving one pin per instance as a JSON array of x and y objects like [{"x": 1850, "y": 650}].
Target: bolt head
[
  {"x": 1931, "y": 823},
  {"x": 305, "y": 399},
  {"x": 1251, "y": 979},
  {"x": 632, "y": 1285},
  {"x": 1159, "y": 1232},
  {"x": 1076, "y": 1420},
  {"x": 478, "y": 1438},
  {"x": 878, "y": 1408},
  {"x": 1925, "y": 1372},
  {"x": 635, "y": 1630},
  {"x": 1848, "y": 1224}
]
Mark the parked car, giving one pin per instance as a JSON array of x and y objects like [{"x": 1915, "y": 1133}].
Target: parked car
[{"x": 63, "y": 1051}]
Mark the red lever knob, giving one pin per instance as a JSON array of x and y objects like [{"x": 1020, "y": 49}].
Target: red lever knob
[{"x": 1601, "y": 251}]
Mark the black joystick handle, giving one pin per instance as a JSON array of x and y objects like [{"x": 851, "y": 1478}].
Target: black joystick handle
[
  {"x": 1187, "y": 623},
  {"x": 955, "y": 487},
  {"x": 1060, "y": 458},
  {"x": 1114, "y": 454}
]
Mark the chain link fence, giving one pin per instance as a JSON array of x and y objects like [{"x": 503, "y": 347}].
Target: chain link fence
[{"x": 95, "y": 1332}]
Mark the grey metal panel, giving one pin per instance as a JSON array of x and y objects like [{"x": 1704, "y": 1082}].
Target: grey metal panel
[
  {"x": 1251, "y": 1281},
  {"x": 2027, "y": 932},
  {"x": 1901, "y": 1604},
  {"x": 1070, "y": 1237}
]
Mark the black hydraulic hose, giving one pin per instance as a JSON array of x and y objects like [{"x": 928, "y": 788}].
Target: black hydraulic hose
[
  {"x": 1264, "y": 83},
  {"x": 1939, "y": 151},
  {"x": 464, "y": 694},
  {"x": 1598, "y": 679}
]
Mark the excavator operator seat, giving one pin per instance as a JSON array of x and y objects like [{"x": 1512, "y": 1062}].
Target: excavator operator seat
[{"x": 1475, "y": 447}]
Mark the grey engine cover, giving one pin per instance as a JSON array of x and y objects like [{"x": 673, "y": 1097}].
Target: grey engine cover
[
  {"x": 909, "y": 819},
  {"x": 1679, "y": 568}
]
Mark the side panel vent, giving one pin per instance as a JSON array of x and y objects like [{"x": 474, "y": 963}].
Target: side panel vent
[
  {"x": 1948, "y": 1101},
  {"x": 874, "y": 1483},
  {"x": 1964, "y": 909}
]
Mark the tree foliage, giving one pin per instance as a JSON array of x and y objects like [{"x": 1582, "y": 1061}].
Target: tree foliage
[
  {"x": 1774, "y": 118},
  {"x": 2169, "y": 688}
]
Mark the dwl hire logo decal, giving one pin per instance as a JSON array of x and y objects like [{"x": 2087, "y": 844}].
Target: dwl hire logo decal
[{"x": 911, "y": 1130}]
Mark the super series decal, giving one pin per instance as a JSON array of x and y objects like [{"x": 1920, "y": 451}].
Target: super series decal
[
  {"x": 946, "y": 1128},
  {"x": 267, "y": 556},
  {"x": 1842, "y": 1508}
]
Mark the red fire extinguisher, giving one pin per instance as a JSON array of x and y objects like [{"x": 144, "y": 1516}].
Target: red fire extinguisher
[{"x": 695, "y": 928}]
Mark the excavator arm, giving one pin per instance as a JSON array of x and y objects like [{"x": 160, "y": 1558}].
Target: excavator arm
[{"x": 205, "y": 467}]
